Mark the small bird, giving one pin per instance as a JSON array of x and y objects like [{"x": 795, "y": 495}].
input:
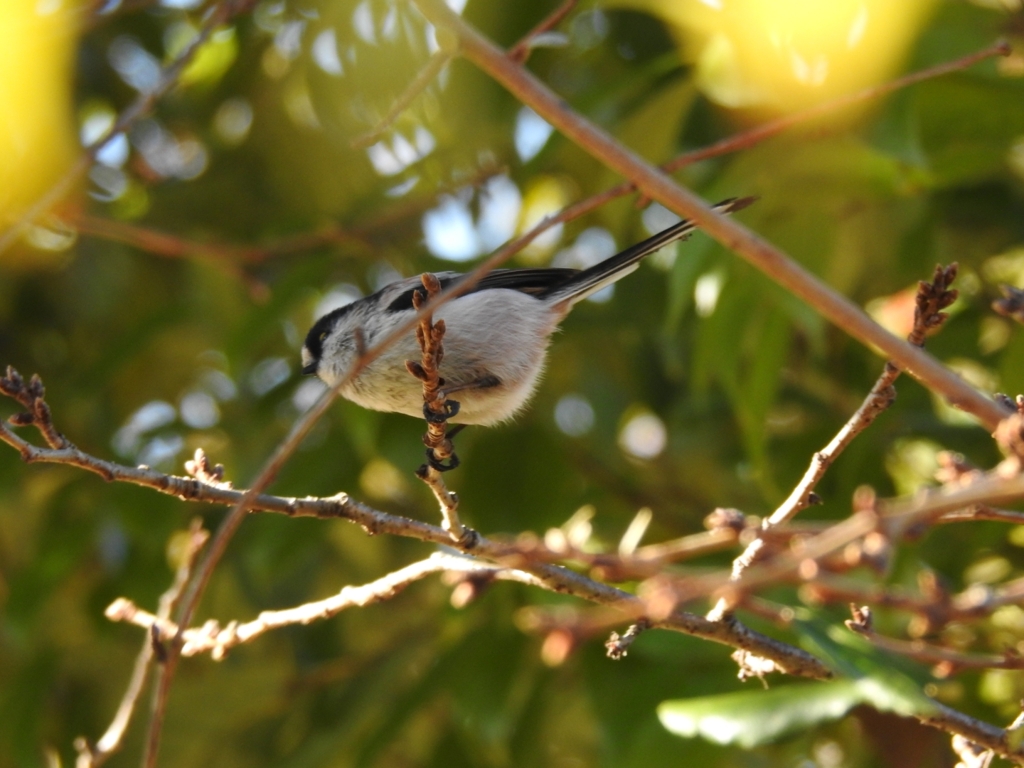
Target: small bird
[{"x": 496, "y": 338}]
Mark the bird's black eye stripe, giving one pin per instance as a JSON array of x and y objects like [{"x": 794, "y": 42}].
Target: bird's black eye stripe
[{"x": 322, "y": 329}]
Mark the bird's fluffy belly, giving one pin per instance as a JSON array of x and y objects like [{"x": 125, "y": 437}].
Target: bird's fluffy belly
[{"x": 475, "y": 348}]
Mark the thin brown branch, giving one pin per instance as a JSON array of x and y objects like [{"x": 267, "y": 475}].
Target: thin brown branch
[
  {"x": 91, "y": 756},
  {"x": 94, "y": 755},
  {"x": 644, "y": 562},
  {"x": 887, "y": 520},
  {"x": 771, "y": 128},
  {"x": 932, "y": 298},
  {"x": 897, "y": 518},
  {"x": 419, "y": 84},
  {"x": 651, "y": 559},
  {"x": 217, "y": 640},
  {"x": 521, "y": 51},
  {"x": 550, "y": 576},
  {"x": 947, "y": 661},
  {"x": 753, "y": 136},
  {"x": 617, "y": 646},
  {"x": 31, "y": 396},
  {"x": 980, "y": 512},
  {"x": 658, "y": 186},
  {"x": 218, "y": 15},
  {"x": 173, "y": 246},
  {"x": 935, "y": 606}
]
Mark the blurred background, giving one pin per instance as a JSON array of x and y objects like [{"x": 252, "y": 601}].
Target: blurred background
[{"x": 165, "y": 298}]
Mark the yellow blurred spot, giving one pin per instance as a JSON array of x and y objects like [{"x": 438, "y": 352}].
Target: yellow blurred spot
[
  {"x": 778, "y": 56},
  {"x": 1016, "y": 156},
  {"x": 381, "y": 479},
  {"x": 37, "y": 135},
  {"x": 213, "y": 58},
  {"x": 994, "y": 335},
  {"x": 999, "y": 686},
  {"x": 988, "y": 570},
  {"x": 545, "y": 196},
  {"x": 1009, "y": 617},
  {"x": 1006, "y": 267}
]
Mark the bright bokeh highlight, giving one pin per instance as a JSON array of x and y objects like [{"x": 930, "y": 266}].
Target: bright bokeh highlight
[
  {"x": 778, "y": 56},
  {"x": 37, "y": 130}
]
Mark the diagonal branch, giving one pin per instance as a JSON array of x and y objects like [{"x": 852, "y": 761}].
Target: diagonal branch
[
  {"x": 753, "y": 136},
  {"x": 932, "y": 298},
  {"x": 551, "y": 576},
  {"x": 659, "y": 186},
  {"x": 946, "y": 661}
]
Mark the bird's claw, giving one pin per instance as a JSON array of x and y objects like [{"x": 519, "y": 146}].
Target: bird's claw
[
  {"x": 440, "y": 466},
  {"x": 451, "y": 409}
]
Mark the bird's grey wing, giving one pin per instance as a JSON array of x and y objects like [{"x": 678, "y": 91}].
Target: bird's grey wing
[{"x": 530, "y": 281}]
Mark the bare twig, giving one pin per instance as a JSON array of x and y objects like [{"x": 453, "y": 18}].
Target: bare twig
[
  {"x": 773, "y": 127},
  {"x": 419, "y": 84},
  {"x": 358, "y": 234},
  {"x": 618, "y": 645},
  {"x": 640, "y": 562},
  {"x": 31, "y": 397},
  {"x": 216, "y": 640},
  {"x": 174, "y": 246},
  {"x": 932, "y": 298},
  {"x": 753, "y": 136},
  {"x": 647, "y": 561},
  {"x": 550, "y": 576},
  {"x": 521, "y": 51},
  {"x": 897, "y": 518},
  {"x": 947, "y": 661},
  {"x": 935, "y": 607},
  {"x": 658, "y": 186},
  {"x": 94, "y": 755},
  {"x": 983, "y": 512}
]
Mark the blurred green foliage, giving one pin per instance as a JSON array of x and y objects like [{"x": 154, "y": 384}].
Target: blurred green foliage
[{"x": 147, "y": 357}]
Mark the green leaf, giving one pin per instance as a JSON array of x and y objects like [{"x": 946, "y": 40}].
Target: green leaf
[
  {"x": 887, "y": 687},
  {"x": 751, "y": 718}
]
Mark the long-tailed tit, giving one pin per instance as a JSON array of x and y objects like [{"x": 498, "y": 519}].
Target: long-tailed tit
[{"x": 496, "y": 337}]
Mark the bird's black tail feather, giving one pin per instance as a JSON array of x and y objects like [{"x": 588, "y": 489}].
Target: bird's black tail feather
[{"x": 621, "y": 264}]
